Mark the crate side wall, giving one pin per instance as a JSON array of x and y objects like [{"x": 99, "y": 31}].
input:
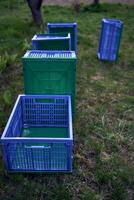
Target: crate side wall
[
  {"x": 57, "y": 44},
  {"x": 15, "y": 126},
  {"x": 45, "y": 111},
  {"x": 44, "y": 156},
  {"x": 53, "y": 77}
]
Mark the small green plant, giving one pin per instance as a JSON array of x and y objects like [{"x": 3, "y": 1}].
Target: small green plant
[
  {"x": 61, "y": 192},
  {"x": 7, "y": 97},
  {"x": 26, "y": 45},
  {"x": 119, "y": 191},
  {"x": 7, "y": 60},
  {"x": 4, "y": 61},
  {"x": 90, "y": 195},
  {"x": 13, "y": 58}
]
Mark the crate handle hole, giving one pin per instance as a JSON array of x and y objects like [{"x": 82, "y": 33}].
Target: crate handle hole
[{"x": 38, "y": 147}]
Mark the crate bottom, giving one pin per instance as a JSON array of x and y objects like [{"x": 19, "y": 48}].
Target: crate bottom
[
  {"x": 45, "y": 132},
  {"x": 106, "y": 58}
]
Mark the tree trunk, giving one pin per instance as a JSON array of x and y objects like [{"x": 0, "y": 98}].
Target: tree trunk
[
  {"x": 96, "y": 2},
  {"x": 35, "y": 6}
]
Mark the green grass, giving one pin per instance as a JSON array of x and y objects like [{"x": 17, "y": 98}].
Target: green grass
[{"x": 104, "y": 123}]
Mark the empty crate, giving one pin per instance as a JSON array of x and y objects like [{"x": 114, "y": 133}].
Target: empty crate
[
  {"x": 59, "y": 41},
  {"x": 65, "y": 27},
  {"x": 110, "y": 39},
  {"x": 50, "y": 72},
  {"x": 38, "y": 136}
]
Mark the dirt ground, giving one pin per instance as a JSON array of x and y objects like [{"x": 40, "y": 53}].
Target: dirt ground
[{"x": 67, "y": 2}]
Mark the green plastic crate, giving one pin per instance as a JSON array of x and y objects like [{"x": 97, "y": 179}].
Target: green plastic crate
[
  {"x": 52, "y": 41},
  {"x": 65, "y": 27},
  {"x": 50, "y": 73}
]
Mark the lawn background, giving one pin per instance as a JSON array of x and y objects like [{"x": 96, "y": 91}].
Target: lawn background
[{"x": 103, "y": 163}]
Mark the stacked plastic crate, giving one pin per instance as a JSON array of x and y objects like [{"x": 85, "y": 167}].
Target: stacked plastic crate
[
  {"x": 38, "y": 136},
  {"x": 56, "y": 41}
]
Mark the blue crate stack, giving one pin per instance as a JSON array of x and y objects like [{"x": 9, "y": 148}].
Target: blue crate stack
[
  {"x": 38, "y": 136},
  {"x": 110, "y": 39}
]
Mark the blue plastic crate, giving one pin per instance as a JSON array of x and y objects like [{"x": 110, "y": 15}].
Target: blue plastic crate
[
  {"x": 38, "y": 136},
  {"x": 110, "y": 39},
  {"x": 56, "y": 41},
  {"x": 65, "y": 27}
]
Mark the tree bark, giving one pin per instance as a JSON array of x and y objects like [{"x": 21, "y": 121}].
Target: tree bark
[
  {"x": 35, "y": 6},
  {"x": 96, "y": 2}
]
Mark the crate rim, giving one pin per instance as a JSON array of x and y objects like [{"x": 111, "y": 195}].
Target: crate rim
[
  {"x": 45, "y": 51},
  {"x": 11, "y": 171},
  {"x": 35, "y": 139},
  {"x": 24, "y": 139},
  {"x": 70, "y": 24},
  {"x": 116, "y": 22},
  {"x": 35, "y": 37}
]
